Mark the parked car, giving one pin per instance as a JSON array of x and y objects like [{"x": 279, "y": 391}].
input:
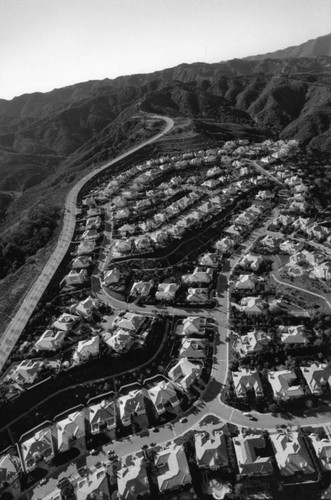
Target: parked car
[{"x": 183, "y": 420}]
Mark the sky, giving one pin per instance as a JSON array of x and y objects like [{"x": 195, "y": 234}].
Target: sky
[{"x": 47, "y": 44}]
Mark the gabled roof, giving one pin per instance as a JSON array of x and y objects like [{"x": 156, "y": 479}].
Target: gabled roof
[
  {"x": 73, "y": 426},
  {"x": 86, "y": 348},
  {"x": 163, "y": 393},
  {"x": 291, "y": 454},
  {"x": 247, "y": 379},
  {"x": 250, "y": 462},
  {"x": 193, "y": 348},
  {"x": 50, "y": 340},
  {"x": 185, "y": 373},
  {"x": 173, "y": 470},
  {"x": 318, "y": 376},
  {"x": 131, "y": 403},
  {"x": 282, "y": 384},
  {"x": 8, "y": 470},
  {"x": 100, "y": 412},
  {"x": 39, "y": 444},
  {"x": 120, "y": 340},
  {"x": 132, "y": 478},
  {"x": 129, "y": 321},
  {"x": 211, "y": 449}
]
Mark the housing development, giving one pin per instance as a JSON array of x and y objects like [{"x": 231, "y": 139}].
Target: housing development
[{"x": 181, "y": 348}]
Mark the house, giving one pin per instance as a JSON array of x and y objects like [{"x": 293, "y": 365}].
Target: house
[
  {"x": 121, "y": 247},
  {"x": 69, "y": 429},
  {"x": 90, "y": 235},
  {"x": 166, "y": 291},
  {"x": 102, "y": 415},
  {"x": 251, "y": 462},
  {"x": 81, "y": 262},
  {"x": 160, "y": 238},
  {"x": 38, "y": 446},
  {"x": 199, "y": 276},
  {"x": 322, "y": 271},
  {"x": 120, "y": 341},
  {"x": 247, "y": 380},
  {"x": 322, "y": 449},
  {"x": 122, "y": 214},
  {"x": 93, "y": 223},
  {"x": 9, "y": 474},
  {"x": 143, "y": 243},
  {"x": 94, "y": 485},
  {"x": 76, "y": 277},
  {"x": 129, "y": 321},
  {"x": 284, "y": 385},
  {"x": 192, "y": 325},
  {"x": 126, "y": 230},
  {"x": 173, "y": 470},
  {"x": 293, "y": 334},
  {"x": 193, "y": 348},
  {"x": 210, "y": 183},
  {"x": 270, "y": 243},
  {"x": 246, "y": 282},
  {"x": 50, "y": 341},
  {"x": 164, "y": 395},
  {"x": 85, "y": 248},
  {"x": 290, "y": 246},
  {"x": 141, "y": 289},
  {"x": 208, "y": 260},
  {"x": 86, "y": 349},
  {"x": 86, "y": 307},
  {"x": 132, "y": 480},
  {"x": 65, "y": 322},
  {"x": 112, "y": 276},
  {"x": 184, "y": 373},
  {"x": 132, "y": 404},
  {"x": 291, "y": 453},
  {"x": 252, "y": 262},
  {"x": 318, "y": 377},
  {"x": 211, "y": 449},
  {"x": 197, "y": 295},
  {"x": 224, "y": 245},
  {"x": 252, "y": 343},
  {"x": 24, "y": 372},
  {"x": 253, "y": 305}
]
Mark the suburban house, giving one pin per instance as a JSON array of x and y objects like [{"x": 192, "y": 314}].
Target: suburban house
[
  {"x": 112, "y": 276},
  {"x": 322, "y": 449},
  {"x": 81, "y": 262},
  {"x": 129, "y": 321},
  {"x": 120, "y": 340},
  {"x": 86, "y": 349},
  {"x": 318, "y": 376},
  {"x": 9, "y": 474},
  {"x": 173, "y": 470},
  {"x": 141, "y": 289},
  {"x": 90, "y": 235},
  {"x": 270, "y": 243},
  {"x": 252, "y": 343},
  {"x": 322, "y": 271},
  {"x": 50, "y": 341},
  {"x": 93, "y": 222},
  {"x": 191, "y": 326},
  {"x": 166, "y": 291},
  {"x": 85, "y": 307},
  {"x": 126, "y": 230},
  {"x": 224, "y": 245},
  {"x": 250, "y": 261},
  {"x": 164, "y": 395},
  {"x": 211, "y": 449},
  {"x": 293, "y": 334},
  {"x": 76, "y": 277},
  {"x": 290, "y": 246},
  {"x": 251, "y": 461},
  {"x": 69, "y": 429},
  {"x": 193, "y": 348},
  {"x": 102, "y": 415},
  {"x": 284, "y": 385},
  {"x": 24, "y": 372},
  {"x": 94, "y": 486},
  {"x": 246, "y": 282},
  {"x": 37, "y": 447},
  {"x": 184, "y": 373},
  {"x": 85, "y": 248},
  {"x": 160, "y": 238},
  {"x": 133, "y": 404},
  {"x": 143, "y": 243},
  {"x": 253, "y": 305},
  {"x": 291, "y": 453},
  {"x": 247, "y": 380},
  {"x": 132, "y": 478},
  {"x": 121, "y": 247},
  {"x": 208, "y": 260},
  {"x": 197, "y": 295},
  {"x": 65, "y": 322}
]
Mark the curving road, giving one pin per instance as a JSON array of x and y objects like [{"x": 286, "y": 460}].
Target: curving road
[{"x": 15, "y": 328}]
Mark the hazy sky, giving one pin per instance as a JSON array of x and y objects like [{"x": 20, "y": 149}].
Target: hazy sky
[{"x": 46, "y": 44}]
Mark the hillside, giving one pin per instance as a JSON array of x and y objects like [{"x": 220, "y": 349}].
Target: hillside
[
  {"x": 320, "y": 46},
  {"x": 49, "y": 140}
]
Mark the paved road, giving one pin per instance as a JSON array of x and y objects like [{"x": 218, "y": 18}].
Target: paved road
[
  {"x": 266, "y": 173},
  {"x": 15, "y": 328}
]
